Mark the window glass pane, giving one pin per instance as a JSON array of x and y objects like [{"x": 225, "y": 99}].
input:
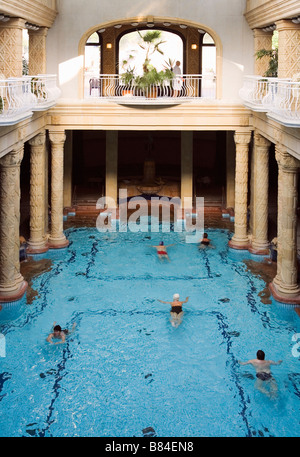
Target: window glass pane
[
  {"x": 131, "y": 52},
  {"x": 92, "y": 60},
  {"x": 208, "y": 60},
  {"x": 207, "y": 39},
  {"x": 94, "y": 38}
]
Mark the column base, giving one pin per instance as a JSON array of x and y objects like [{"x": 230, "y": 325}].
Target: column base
[
  {"x": 238, "y": 245},
  {"x": 258, "y": 251},
  {"x": 284, "y": 298},
  {"x": 7, "y": 297},
  {"x": 58, "y": 244},
  {"x": 31, "y": 249}
]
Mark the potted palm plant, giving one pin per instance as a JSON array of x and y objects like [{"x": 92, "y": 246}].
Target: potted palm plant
[
  {"x": 151, "y": 79},
  {"x": 127, "y": 77}
]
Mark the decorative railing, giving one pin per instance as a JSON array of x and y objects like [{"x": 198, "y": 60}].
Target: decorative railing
[
  {"x": 185, "y": 87},
  {"x": 284, "y": 103},
  {"x": 20, "y": 97},
  {"x": 45, "y": 90},
  {"x": 279, "y": 98}
]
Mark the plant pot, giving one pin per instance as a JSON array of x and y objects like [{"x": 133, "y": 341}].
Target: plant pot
[
  {"x": 127, "y": 93},
  {"x": 151, "y": 92}
]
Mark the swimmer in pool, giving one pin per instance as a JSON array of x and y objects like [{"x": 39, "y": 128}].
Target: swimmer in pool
[
  {"x": 59, "y": 334},
  {"x": 204, "y": 242},
  {"x": 176, "y": 311},
  {"x": 264, "y": 377},
  {"x": 162, "y": 250}
]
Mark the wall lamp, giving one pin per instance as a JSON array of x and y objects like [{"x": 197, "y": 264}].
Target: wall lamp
[
  {"x": 31, "y": 26},
  {"x": 194, "y": 46},
  {"x": 108, "y": 45},
  {"x": 270, "y": 28},
  {"x": 4, "y": 18}
]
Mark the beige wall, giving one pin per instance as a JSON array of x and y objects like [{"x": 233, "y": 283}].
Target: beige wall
[{"x": 228, "y": 24}]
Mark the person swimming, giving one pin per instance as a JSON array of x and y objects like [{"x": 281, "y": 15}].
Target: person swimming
[
  {"x": 59, "y": 334},
  {"x": 161, "y": 250},
  {"x": 176, "y": 311},
  {"x": 263, "y": 373},
  {"x": 205, "y": 240}
]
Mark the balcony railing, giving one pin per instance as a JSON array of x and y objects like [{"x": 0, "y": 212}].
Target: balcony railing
[
  {"x": 279, "y": 98},
  {"x": 20, "y": 97},
  {"x": 180, "y": 89}
]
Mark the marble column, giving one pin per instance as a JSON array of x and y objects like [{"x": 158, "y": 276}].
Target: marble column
[
  {"x": 240, "y": 238},
  {"x": 37, "y": 51},
  {"x": 284, "y": 286},
  {"x": 288, "y": 48},
  {"x": 111, "y": 174},
  {"x": 187, "y": 168},
  {"x": 262, "y": 40},
  {"x": 11, "y": 47},
  {"x": 230, "y": 170},
  {"x": 259, "y": 207},
  {"x": 12, "y": 284},
  {"x": 37, "y": 242},
  {"x": 57, "y": 238}
]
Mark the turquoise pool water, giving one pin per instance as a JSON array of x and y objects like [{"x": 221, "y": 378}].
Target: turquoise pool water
[{"x": 126, "y": 371}]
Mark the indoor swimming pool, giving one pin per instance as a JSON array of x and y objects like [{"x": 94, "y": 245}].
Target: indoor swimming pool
[{"x": 126, "y": 371}]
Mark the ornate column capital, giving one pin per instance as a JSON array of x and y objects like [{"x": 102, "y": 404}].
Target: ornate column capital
[
  {"x": 286, "y": 24},
  {"x": 38, "y": 140},
  {"x": 242, "y": 137},
  {"x": 43, "y": 31},
  {"x": 14, "y": 23},
  {"x": 286, "y": 160},
  {"x": 13, "y": 158},
  {"x": 260, "y": 141},
  {"x": 57, "y": 137}
]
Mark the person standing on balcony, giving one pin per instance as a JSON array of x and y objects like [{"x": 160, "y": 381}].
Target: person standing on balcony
[{"x": 177, "y": 82}]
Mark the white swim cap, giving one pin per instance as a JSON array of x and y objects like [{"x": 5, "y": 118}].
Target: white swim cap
[{"x": 175, "y": 296}]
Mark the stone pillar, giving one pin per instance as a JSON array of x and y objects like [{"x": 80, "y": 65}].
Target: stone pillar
[
  {"x": 262, "y": 40},
  {"x": 37, "y": 51},
  {"x": 259, "y": 207},
  {"x": 240, "y": 238},
  {"x": 288, "y": 48},
  {"x": 186, "y": 166},
  {"x": 11, "y": 33},
  {"x": 12, "y": 284},
  {"x": 19, "y": 153},
  {"x": 37, "y": 242},
  {"x": 284, "y": 287},
  {"x": 46, "y": 190},
  {"x": 111, "y": 177},
  {"x": 68, "y": 159},
  {"x": 57, "y": 237},
  {"x": 230, "y": 170}
]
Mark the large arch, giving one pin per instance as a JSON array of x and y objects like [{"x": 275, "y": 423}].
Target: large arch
[{"x": 156, "y": 20}]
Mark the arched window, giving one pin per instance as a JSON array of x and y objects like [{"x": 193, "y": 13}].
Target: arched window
[
  {"x": 132, "y": 55},
  {"x": 92, "y": 59},
  {"x": 208, "y": 65}
]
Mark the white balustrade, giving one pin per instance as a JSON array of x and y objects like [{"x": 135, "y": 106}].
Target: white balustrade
[
  {"x": 45, "y": 90},
  {"x": 185, "y": 87},
  {"x": 16, "y": 100},
  {"x": 19, "y": 97},
  {"x": 279, "y": 98},
  {"x": 286, "y": 103}
]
